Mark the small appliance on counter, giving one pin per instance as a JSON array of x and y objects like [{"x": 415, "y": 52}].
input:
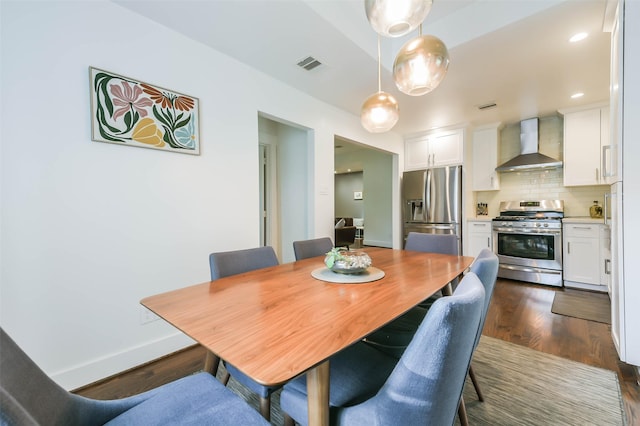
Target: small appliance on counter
[{"x": 482, "y": 209}]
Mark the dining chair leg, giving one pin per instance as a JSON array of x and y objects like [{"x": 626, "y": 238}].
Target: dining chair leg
[
  {"x": 265, "y": 408},
  {"x": 288, "y": 421},
  {"x": 211, "y": 362},
  {"x": 225, "y": 378},
  {"x": 462, "y": 413},
  {"x": 472, "y": 375}
]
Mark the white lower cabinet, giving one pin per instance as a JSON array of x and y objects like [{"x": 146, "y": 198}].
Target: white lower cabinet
[
  {"x": 478, "y": 236},
  {"x": 585, "y": 257}
]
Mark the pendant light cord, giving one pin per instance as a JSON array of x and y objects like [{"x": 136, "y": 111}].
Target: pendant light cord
[{"x": 379, "y": 67}]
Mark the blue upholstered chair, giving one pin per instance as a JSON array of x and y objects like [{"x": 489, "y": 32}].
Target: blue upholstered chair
[
  {"x": 311, "y": 248},
  {"x": 485, "y": 266},
  {"x": 29, "y": 397},
  {"x": 433, "y": 243},
  {"x": 224, "y": 264},
  {"x": 394, "y": 337},
  {"x": 369, "y": 387},
  {"x": 398, "y": 333}
]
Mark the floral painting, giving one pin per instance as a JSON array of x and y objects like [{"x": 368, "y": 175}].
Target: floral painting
[{"x": 129, "y": 112}]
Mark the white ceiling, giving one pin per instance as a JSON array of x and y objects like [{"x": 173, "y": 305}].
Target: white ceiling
[{"x": 512, "y": 52}]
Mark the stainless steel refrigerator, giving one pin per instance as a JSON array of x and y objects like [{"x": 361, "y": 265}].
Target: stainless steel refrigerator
[{"x": 432, "y": 201}]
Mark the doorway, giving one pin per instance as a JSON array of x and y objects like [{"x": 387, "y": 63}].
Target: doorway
[
  {"x": 364, "y": 186},
  {"x": 286, "y": 167}
]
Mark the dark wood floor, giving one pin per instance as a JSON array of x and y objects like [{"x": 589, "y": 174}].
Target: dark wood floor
[{"x": 519, "y": 313}]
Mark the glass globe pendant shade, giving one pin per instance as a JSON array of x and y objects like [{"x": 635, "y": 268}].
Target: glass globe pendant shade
[
  {"x": 421, "y": 65},
  {"x": 395, "y": 18},
  {"x": 379, "y": 112}
]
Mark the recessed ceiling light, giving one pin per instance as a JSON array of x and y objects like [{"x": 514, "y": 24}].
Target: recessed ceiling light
[
  {"x": 577, "y": 95},
  {"x": 578, "y": 37}
]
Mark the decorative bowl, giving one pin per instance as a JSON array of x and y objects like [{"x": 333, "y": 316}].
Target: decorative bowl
[{"x": 347, "y": 262}]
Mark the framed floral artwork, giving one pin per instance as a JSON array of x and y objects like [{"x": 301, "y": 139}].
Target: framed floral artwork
[{"x": 129, "y": 112}]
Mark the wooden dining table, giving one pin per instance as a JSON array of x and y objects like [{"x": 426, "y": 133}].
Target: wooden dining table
[{"x": 276, "y": 323}]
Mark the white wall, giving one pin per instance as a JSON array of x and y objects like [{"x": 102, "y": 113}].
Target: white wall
[
  {"x": 345, "y": 185},
  {"x": 293, "y": 154},
  {"x": 88, "y": 229},
  {"x": 378, "y": 199}
]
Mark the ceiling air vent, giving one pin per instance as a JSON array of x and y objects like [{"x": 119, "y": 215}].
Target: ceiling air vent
[{"x": 309, "y": 63}]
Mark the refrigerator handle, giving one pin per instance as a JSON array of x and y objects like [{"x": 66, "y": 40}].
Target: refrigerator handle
[{"x": 427, "y": 197}]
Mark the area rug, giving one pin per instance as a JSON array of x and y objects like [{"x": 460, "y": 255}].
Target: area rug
[
  {"x": 522, "y": 386},
  {"x": 583, "y": 304}
]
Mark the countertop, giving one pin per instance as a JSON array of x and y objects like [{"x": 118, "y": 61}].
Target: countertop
[
  {"x": 582, "y": 219},
  {"x": 569, "y": 219}
]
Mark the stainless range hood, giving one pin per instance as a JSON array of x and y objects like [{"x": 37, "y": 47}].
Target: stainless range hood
[{"x": 529, "y": 158}]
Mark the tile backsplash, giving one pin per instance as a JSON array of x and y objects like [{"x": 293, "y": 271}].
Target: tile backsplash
[{"x": 540, "y": 184}]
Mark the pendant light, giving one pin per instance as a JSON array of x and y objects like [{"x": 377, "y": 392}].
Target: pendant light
[
  {"x": 420, "y": 65},
  {"x": 395, "y": 18},
  {"x": 379, "y": 111}
]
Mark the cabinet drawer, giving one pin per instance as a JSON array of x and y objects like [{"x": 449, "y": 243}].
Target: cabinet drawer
[
  {"x": 582, "y": 230},
  {"x": 479, "y": 226}
]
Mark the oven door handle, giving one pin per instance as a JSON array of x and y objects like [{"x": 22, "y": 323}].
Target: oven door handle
[{"x": 525, "y": 269}]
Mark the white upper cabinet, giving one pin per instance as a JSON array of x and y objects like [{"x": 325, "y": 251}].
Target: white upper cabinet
[
  {"x": 436, "y": 149},
  {"x": 612, "y": 153},
  {"x": 485, "y": 158},
  {"x": 586, "y": 132}
]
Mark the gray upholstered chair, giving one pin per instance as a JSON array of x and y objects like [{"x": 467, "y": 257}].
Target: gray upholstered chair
[
  {"x": 305, "y": 249},
  {"x": 224, "y": 264},
  {"x": 368, "y": 386},
  {"x": 29, "y": 397}
]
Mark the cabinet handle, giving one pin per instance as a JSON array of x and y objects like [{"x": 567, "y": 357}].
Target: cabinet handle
[
  {"x": 488, "y": 242},
  {"x": 581, "y": 227},
  {"x": 479, "y": 224},
  {"x": 597, "y": 175},
  {"x": 568, "y": 247},
  {"x": 607, "y": 266}
]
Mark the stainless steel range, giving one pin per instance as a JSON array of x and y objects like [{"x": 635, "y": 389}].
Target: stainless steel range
[{"x": 527, "y": 237}]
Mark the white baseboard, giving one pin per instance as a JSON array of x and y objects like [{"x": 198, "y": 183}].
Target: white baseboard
[
  {"x": 98, "y": 369},
  {"x": 583, "y": 286},
  {"x": 377, "y": 243}
]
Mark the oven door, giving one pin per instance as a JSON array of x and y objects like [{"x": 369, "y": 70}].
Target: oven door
[{"x": 533, "y": 255}]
